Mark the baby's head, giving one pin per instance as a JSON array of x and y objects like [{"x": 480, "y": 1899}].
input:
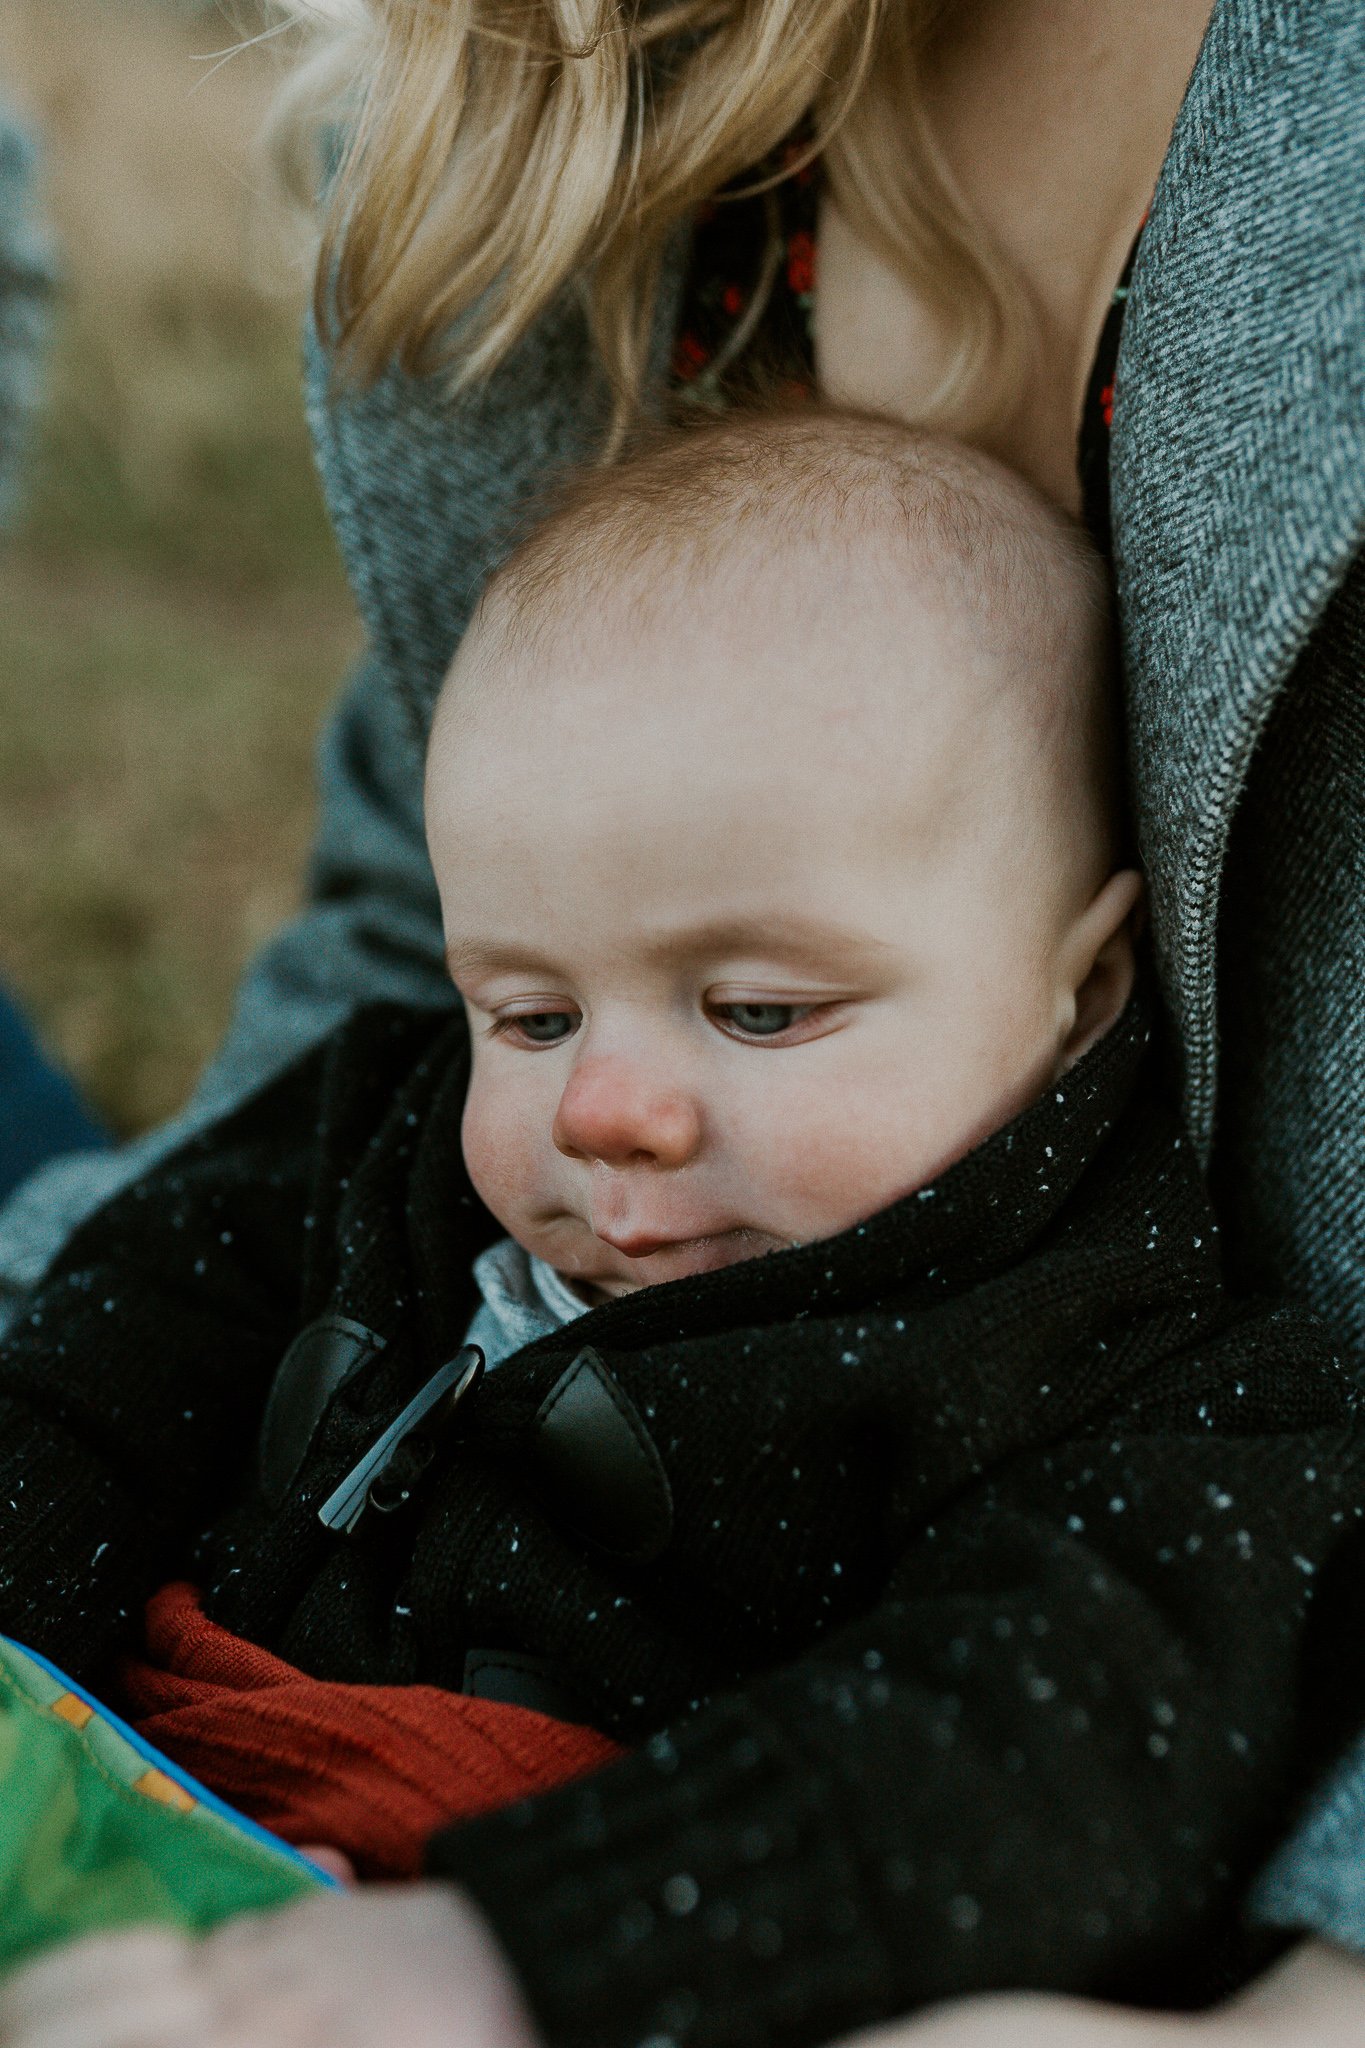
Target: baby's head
[{"x": 772, "y": 801}]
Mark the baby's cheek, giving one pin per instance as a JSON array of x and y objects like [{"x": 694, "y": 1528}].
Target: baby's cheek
[
  {"x": 497, "y": 1137},
  {"x": 824, "y": 1173},
  {"x": 863, "y": 1141}
]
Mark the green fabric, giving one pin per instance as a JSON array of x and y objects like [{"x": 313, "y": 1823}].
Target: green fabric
[{"x": 81, "y": 1848}]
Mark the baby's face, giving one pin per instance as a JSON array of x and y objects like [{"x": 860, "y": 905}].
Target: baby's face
[{"x": 754, "y": 931}]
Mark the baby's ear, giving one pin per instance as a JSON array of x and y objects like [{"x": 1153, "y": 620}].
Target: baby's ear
[{"x": 1101, "y": 962}]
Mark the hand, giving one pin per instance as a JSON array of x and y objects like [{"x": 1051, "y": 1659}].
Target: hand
[
  {"x": 1313, "y": 1998},
  {"x": 335, "y": 1862},
  {"x": 402, "y": 1967},
  {"x": 1039, "y": 2020}
]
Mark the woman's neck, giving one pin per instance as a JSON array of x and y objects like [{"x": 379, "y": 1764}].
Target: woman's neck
[{"x": 1054, "y": 117}]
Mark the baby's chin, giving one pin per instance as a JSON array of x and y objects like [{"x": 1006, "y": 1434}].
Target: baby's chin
[{"x": 601, "y": 1272}]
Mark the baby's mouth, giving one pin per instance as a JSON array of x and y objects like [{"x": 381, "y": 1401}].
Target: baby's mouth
[
  {"x": 675, "y": 1258},
  {"x": 642, "y": 1244}
]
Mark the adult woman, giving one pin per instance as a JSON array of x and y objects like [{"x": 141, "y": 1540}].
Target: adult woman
[
  {"x": 1238, "y": 478},
  {"x": 1236, "y": 489}
]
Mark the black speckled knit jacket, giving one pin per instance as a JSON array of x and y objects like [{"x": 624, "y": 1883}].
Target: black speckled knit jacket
[{"x": 966, "y": 1645}]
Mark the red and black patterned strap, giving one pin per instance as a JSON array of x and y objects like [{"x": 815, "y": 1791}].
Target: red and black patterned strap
[
  {"x": 1097, "y": 412},
  {"x": 745, "y": 333}
]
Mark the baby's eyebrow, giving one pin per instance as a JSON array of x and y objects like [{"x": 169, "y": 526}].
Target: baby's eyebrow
[
  {"x": 463, "y": 955},
  {"x": 802, "y": 940},
  {"x": 813, "y": 941}
]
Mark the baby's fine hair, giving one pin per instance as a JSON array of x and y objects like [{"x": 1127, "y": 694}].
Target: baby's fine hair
[
  {"x": 685, "y": 498},
  {"x": 691, "y": 505}
]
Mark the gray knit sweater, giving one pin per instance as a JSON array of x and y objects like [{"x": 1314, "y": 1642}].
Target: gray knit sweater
[{"x": 1239, "y": 503}]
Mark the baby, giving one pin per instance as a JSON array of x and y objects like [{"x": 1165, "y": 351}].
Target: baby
[
  {"x": 908, "y": 1528},
  {"x": 812, "y": 740}
]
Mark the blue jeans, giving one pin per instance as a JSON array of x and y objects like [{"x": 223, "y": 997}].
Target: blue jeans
[{"x": 40, "y": 1112}]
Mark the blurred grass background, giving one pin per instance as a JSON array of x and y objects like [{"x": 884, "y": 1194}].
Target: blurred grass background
[{"x": 173, "y": 619}]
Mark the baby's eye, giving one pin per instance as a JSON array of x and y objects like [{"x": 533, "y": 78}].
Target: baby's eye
[
  {"x": 759, "y": 1020},
  {"x": 540, "y": 1027}
]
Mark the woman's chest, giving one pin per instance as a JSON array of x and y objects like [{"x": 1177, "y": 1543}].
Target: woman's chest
[
  {"x": 1044, "y": 125},
  {"x": 882, "y": 345}
]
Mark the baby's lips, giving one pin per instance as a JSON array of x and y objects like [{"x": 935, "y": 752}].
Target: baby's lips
[
  {"x": 636, "y": 1240},
  {"x": 639, "y": 1244},
  {"x": 680, "y": 1256}
]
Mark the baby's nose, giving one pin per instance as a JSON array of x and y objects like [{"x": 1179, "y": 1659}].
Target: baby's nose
[{"x": 614, "y": 1111}]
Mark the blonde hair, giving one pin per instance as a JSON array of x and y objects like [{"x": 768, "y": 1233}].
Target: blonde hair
[{"x": 494, "y": 153}]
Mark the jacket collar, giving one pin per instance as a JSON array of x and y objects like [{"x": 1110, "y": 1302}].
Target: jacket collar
[
  {"x": 979, "y": 1218},
  {"x": 1239, "y": 446}
]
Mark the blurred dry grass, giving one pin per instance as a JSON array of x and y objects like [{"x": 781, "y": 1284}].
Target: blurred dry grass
[{"x": 172, "y": 616}]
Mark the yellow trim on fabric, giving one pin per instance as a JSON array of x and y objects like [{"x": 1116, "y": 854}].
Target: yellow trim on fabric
[
  {"x": 72, "y": 1709},
  {"x": 26, "y": 1701},
  {"x": 154, "y": 1784},
  {"x": 239, "y": 1844}
]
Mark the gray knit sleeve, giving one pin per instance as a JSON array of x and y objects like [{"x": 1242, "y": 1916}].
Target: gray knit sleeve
[
  {"x": 1316, "y": 1884},
  {"x": 26, "y": 280}
]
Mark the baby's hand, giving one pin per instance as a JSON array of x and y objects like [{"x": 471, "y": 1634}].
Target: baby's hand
[
  {"x": 335, "y": 1862},
  {"x": 407, "y": 1967},
  {"x": 1038, "y": 2020}
]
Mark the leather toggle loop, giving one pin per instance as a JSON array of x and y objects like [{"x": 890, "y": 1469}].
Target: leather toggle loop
[
  {"x": 597, "y": 1466},
  {"x": 386, "y": 1476},
  {"x": 319, "y": 1362}
]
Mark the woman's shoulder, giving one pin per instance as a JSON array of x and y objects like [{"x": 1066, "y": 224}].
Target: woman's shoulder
[{"x": 1238, "y": 452}]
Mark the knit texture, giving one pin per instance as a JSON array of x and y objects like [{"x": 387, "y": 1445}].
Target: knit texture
[
  {"x": 1316, "y": 1885},
  {"x": 371, "y": 1770},
  {"x": 972, "y": 1654},
  {"x": 1238, "y": 477},
  {"x": 1238, "y": 483},
  {"x": 1238, "y": 474}
]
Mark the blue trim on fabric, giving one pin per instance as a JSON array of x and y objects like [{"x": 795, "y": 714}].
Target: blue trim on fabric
[{"x": 161, "y": 1762}]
